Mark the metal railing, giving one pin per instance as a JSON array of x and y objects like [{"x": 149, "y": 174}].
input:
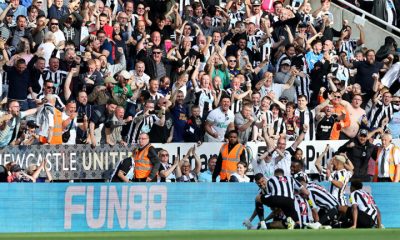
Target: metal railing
[{"x": 369, "y": 15}]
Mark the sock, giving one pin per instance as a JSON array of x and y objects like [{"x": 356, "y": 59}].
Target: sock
[{"x": 260, "y": 211}]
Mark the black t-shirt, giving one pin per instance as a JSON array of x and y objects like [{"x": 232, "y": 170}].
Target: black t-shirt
[
  {"x": 100, "y": 115},
  {"x": 364, "y": 74},
  {"x": 160, "y": 134},
  {"x": 125, "y": 166},
  {"x": 324, "y": 128}
]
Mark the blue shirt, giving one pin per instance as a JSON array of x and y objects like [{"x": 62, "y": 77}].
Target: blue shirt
[
  {"x": 206, "y": 177},
  {"x": 54, "y": 12},
  {"x": 107, "y": 46},
  {"x": 312, "y": 58},
  {"x": 394, "y": 125}
]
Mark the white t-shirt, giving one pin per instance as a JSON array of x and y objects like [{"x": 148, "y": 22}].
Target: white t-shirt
[
  {"x": 284, "y": 163},
  {"x": 48, "y": 49},
  {"x": 219, "y": 123},
  {"x": 72, "y": 132},
  {"x": 59, "y": 36},
  {"x": 141, "y": 79}
]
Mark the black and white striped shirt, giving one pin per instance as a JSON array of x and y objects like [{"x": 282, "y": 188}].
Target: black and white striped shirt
[
  {"x": 236, "y": 103},
  {"x": 342, "y": 176},
  {"x": 306, "y": 117},
  {"x": 303, "y": 210},
  {"x": 278, "y": 126},
  {"x": 204, "y": 99},
  {"x": 283, "y": 186},
  {"x": 380, "y": 111},
  {"x": 320, "y": 198},
  {"x": 235, "y": 17},
  {"x": 365, "y": 203},
  {"x": 252, "y": 40},
  {"x": 302, "y": 175},
  {"x": 58, "y": 77},
  {"x": 349, "y": 47},
  {"x": 142, "y": 126},
  {"x": 304, "y": 87}
]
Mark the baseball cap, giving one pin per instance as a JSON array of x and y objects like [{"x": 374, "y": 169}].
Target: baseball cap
[
  {"x": 286, "y": 61},
  {"x": 31, "y": 124},
  {"x": 110, "y": 80},
  {"x": 15, "y": 168},
  {"x": 256, "y": 3},
  {"x": 363, "y": 132},
  {"x": 125, "y": 74},
  {"x": 340, "y": 158},
  {"x": 10, "y": 13}
]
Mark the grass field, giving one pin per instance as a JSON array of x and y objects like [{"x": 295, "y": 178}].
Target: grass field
[{"x": 336, "y": 234}]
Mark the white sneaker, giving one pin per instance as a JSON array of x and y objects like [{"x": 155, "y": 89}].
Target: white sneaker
[
  {"x": 247, "y": 224},
  {"x": 325, "y": 227},
  {"x": 315, "y": 225},
  {"x": 263, "y": 226},
  {"x": 290, "y": 223}
]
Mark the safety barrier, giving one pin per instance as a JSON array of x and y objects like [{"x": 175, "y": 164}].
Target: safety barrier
[
  {"x": 82, "y": 207},
  {"x": 82, "y": 162}
]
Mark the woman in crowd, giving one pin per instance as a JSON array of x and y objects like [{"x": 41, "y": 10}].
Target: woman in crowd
[{"x": 240, "y": 174}]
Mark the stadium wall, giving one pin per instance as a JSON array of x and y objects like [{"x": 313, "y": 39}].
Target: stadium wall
[
  {"x": 83, "y": 207},
  {"x": 78, "y": 162}
]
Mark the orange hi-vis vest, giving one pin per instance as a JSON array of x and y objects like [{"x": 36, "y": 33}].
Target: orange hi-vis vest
[
  {"x": 230, "y": 160},
  {"x": 143, "y": 164},
  {"x": 57, "y": 130},
  {"x": 392, "y": 166}
]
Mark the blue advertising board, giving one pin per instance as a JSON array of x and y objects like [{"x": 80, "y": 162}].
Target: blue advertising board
[{"x": 82, "y": 207}]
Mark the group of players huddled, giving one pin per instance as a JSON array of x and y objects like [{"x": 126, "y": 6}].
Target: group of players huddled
[{"x": 296, "y": 202}]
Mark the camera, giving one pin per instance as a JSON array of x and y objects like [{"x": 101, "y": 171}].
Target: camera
[
  {"x": 335, "y": 117},
  {"x": 80, "y": 117}
]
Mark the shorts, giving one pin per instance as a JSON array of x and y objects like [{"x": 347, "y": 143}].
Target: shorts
[{"x": 284, "y": 203}]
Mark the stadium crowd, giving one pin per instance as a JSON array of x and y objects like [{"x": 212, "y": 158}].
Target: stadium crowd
[{"x": 133, "y": 73}]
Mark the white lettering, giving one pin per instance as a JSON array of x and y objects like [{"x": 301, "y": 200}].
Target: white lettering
[
  {"x": 86, "y": 167},
  {"x": 64, "y": 164},
  {"x": 137, "y": 207},
  {"x": 72, "y": 161},
  {"x": 98, "y": 161},
  {"x": 119, "y": 206},
  {"x": 57, "y": 155},
  {"x": 91, "y": 221},
  {"x": 69, "y": 207},
  {"x": 157, "y": 213}
]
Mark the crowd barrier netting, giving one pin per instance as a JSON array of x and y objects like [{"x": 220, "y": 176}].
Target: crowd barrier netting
[{"x": 82, "y": 207}]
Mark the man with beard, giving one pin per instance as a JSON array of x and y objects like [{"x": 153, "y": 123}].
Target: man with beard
[
  {"x": 359, "y": 150},
  {"x": 10, "y": 122},
  {"x": 101, "y": 115}
]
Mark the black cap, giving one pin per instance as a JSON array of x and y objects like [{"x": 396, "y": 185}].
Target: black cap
[
  {"x": 31, "y": 124},
  {"x": 363, "y": 132}
]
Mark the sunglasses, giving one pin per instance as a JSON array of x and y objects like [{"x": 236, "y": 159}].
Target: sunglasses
[
  {"x": 53, "y": 24},
  {"x": 156, "y": 52},
  {"x": 50, "y": 87},
  {"x": 165, "y": 155},
  {"x": 232, "y": 60},
  {"x": 338, "y": 97}
]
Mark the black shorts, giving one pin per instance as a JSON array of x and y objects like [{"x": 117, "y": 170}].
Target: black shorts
[
  {"x": 284, "y": 203},
  {"x": 363, "y": 220}
]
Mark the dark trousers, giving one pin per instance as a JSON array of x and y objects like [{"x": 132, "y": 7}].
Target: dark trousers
[
  {"x": 326, "y": 216},
  {"x": 386, "y": 179},
  {"x": 284, "y": 203}
]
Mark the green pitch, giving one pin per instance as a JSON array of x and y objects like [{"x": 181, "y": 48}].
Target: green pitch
[{"x": 336, "y": 234}]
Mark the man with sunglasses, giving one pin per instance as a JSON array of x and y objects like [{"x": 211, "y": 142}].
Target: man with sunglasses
[
  {"x": 342, "y": 117},
  {"x": 155, "y": 66},
  {"x": 48, "y": 89}
]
